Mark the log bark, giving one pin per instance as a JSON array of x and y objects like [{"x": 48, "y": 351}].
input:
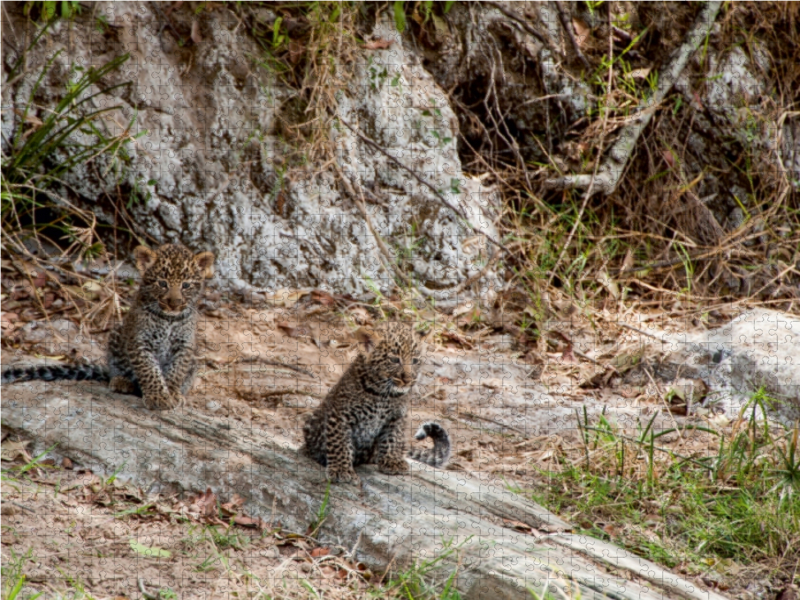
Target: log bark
[{"x": 394, "y": 519}]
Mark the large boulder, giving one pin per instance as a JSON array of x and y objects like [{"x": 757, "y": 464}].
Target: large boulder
[{"x": 210, "y": 169}]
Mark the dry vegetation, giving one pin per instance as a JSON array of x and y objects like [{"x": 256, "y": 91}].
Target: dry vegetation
[{"x": 718, "y": 500}]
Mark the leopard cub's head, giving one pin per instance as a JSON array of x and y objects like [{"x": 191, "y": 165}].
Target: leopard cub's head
[
  {"x": 172, "y": 276},
  {"x": 393, "y": 363}
]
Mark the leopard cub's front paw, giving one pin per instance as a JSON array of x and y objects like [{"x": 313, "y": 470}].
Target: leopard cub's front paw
[
  {"x": 162, "y": 400},
  {"x": 392, "y": 465},
  {"x": 342, "y": 475}
]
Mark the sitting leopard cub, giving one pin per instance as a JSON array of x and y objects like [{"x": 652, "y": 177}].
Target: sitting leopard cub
[
  {"x": 152, "y": 353},
  {"x": 363, "y": 418}
]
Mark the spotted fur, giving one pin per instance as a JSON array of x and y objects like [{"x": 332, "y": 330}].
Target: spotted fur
[
  {"x": 152, "y": 353},
  {"x": 363, "y": 417}
]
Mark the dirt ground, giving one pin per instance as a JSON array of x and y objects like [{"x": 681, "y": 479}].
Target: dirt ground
[{"x": 512, "y": 409}]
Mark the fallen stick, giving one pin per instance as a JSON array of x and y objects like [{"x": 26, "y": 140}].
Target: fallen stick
[{"x": 608, "y": 176}]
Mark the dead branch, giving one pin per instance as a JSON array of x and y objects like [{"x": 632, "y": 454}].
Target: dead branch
[
  {"x": 610, "y": 173},
  {"x": 570, "y": 31}
]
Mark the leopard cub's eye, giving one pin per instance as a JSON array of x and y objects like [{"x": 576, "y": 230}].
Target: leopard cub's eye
[
  {"x": 394, "y": 360},
  {"x": 415, "y": 361},
  {"x": 162, "y": 283},
  {"x": 186, "y": 285}
]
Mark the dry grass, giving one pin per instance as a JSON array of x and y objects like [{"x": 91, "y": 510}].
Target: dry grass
[{"x": 671, "y": 232}]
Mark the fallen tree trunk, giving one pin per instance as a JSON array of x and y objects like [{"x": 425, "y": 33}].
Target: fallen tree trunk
[{"x": 393, "y": 518}]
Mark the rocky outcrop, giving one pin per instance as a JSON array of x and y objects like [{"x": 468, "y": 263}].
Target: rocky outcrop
[{"x": 209, "y": 168}]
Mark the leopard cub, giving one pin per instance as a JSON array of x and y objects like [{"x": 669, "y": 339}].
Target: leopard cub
[
  {"x": 152, "y": 353},
  {"x": 363, "y": 417}
]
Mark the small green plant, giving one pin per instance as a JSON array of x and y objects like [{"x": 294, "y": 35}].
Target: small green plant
[
  {"x": 49, "y": 10},
  {"x": 46, "y": 146},
  {"x": 399, "y": 15},
  {"x": 228, "y": 537},
  {"x": 422, "y": 11},
  {"x": 13, "y": 576},
  {"x": 322, "y": 513},
  {"x": 415, "y": 583},
  {"x": 33, "y": 463},
  {"x": 144, "y": 511}
]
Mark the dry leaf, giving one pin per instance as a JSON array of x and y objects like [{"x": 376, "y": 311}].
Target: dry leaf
[
  {"x": 462, "y": 309},
  {"x": 9, "y": 321},
  {"x": 245, "y": 521},
  {"x": 567, "y": 354},
  {"x": 639, "y": 73},
  {"x": 317, "y": 552},
  {"x": 609, "y": 284},
  {"x": 285, "y": 297},
  {"x": 11, "y": 450},
  {"x": 378, "y": 44},
  {"x": 324, "y": 298},
  {"x": 582, "y": 32},
  {"x": 668, "y": 158},
  {"x": 296, "y": 50},
  {"x": 233, "y": 505}
]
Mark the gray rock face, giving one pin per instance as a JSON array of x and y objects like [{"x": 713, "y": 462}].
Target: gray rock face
[
  {"x": 758, "y": 349},
  {"x": 208, "y": 171}
]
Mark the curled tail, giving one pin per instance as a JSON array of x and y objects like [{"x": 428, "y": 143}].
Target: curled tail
[
  {"x": 440, "y": 453},
  {"x": 56, "y": 372}
]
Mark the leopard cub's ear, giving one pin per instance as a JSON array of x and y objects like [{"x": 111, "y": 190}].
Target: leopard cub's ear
[
  {"x": 144, "y": 257},
  {"x": 369, "y": 338},
  {"x": 205, "y": 260}
]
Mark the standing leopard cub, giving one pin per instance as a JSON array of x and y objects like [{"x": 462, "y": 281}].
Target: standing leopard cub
[
  {"x": 363, "y": 418},
  {"x": 152, "y": 353}
]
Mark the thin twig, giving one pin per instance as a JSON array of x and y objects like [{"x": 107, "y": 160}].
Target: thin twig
[
  {"x": 22, "y": 506},
  {"x": 650, "y": 335},
  {"x": 145, "y": 594},
  {"x": 570, "y": 31},
  {"x": 470, "y": 415},
  {"x": 590, "y": 189}
]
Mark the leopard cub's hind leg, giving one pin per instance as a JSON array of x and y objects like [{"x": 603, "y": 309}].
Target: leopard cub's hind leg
[{"x": 122, "y": 385}]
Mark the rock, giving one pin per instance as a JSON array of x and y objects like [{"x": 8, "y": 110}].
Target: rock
[
  {"x": 760, "y": 348},
  {"x": 208, "y": 170}
]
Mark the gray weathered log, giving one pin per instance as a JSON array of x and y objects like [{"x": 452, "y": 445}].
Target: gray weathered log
[{"x": 396, "y": 518}]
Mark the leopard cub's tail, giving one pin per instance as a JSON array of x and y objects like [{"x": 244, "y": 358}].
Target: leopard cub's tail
[
  {"x": 56, "y": 372},
  {"x": 440, "y": 453}
]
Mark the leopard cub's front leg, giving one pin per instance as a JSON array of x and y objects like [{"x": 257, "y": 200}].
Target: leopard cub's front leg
[
  {"x": 390, "y": 448},
  {"x": 339, "y": 450},
  {"x": 156, "y": 394},
  {"x": 179, "y": 374}
]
